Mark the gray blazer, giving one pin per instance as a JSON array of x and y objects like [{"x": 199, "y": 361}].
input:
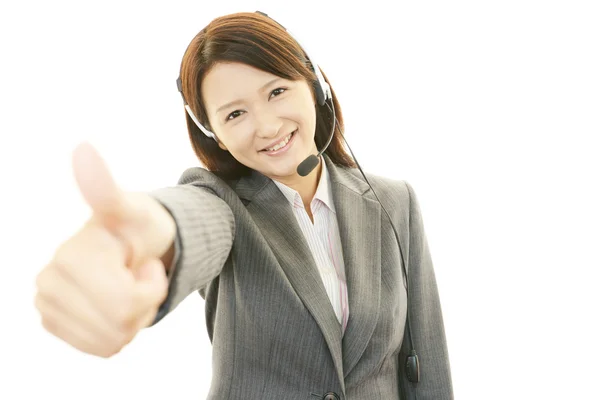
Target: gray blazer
[{"x": 273, "y": 330}]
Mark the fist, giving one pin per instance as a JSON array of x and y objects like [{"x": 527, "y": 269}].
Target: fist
[{"x": 106, "y": 282}]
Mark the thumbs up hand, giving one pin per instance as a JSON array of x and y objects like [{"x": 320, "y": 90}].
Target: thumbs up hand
[{"x": 106, "y": 282}]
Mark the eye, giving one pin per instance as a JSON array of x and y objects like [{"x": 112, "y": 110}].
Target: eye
[
  {"x": 235, "y": 113},
  {"x": 283, "y": 90}
]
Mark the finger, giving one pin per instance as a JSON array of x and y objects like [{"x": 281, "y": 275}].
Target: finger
[
  {"x": 69, "y": 331},
  {"x": 146, "y": 320},
  {"x": 97, "y": 185},
  {"x": 68, "y": 299},
  {"x": 93, "y": 260}
]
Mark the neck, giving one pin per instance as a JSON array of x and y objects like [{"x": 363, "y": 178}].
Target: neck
[{"x": 306, "y": 186}]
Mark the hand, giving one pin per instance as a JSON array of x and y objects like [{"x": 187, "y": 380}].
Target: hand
[{"x": 106, "y": 282}]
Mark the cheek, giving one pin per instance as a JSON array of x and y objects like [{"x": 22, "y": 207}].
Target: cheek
[{"x": 242, "y": 147}]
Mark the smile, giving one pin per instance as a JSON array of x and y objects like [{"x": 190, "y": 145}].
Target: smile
[{"x": 282, "y": 146}]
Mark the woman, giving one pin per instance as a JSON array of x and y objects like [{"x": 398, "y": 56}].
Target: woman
[{"x": 300, "y": 267}]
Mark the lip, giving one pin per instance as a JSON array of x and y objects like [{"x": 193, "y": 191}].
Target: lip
[
  {"x": 284, "y": 148},
  {"x": 275, "y": 142}
]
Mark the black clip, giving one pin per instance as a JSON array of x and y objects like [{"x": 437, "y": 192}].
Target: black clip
[{"x": 413, "y": 372}]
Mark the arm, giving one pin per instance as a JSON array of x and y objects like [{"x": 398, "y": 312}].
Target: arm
[
  {"x": 205, "y": 232},
  {"x": 426, "y": 319}
]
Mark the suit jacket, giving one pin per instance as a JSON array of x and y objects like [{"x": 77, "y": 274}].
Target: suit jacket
[{"x": 273, "y": 330}]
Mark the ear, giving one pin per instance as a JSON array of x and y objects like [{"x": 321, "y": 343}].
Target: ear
[
  {"x": 221, "y": 145},
  {"x": 216, "y": 139}
]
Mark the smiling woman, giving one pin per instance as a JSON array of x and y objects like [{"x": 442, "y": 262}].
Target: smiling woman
[
  {"x": 254, "y": 102},
  {"x": 258, "y": 68},
  {"x": 318, "y": 282}
]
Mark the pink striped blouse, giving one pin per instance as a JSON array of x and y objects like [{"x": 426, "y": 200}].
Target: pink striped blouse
[{"x": 324, "y": 241}]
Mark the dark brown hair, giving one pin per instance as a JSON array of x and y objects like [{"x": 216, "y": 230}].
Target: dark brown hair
[{"x": 260, "y": 42}]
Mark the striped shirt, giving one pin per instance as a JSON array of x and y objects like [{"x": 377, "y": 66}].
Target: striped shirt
[{"x": 324, "y": 241}]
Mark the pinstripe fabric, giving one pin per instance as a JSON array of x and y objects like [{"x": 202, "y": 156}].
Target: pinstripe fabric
[
  {"x": 323, "y": 237},
  {"x": 202, "y": 218},
  {"x": 274, "y": 332}
]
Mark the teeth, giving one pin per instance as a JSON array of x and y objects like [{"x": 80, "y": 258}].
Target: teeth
[{"x": 281, "y": 144}]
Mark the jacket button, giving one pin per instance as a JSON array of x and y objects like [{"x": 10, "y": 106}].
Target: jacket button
[{"x": 331, "y": 396}]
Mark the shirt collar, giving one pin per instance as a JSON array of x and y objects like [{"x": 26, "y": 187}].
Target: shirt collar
[{"x": 323, "y": 192}]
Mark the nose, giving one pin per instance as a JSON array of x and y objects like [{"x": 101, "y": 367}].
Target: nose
[{"x": 267, "y": 124}]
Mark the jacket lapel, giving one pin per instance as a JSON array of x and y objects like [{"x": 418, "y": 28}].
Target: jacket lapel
[
  {"x": 359, "y": 221},
  {"x": 275, "y": 218}
]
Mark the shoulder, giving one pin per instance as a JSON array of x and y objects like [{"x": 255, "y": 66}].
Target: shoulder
[
  {"x": 395, "y": 191},
  {"x": 202, "y": 176},
  {"x": 389, "y": 186},
  {"x": 205, "y": 179},
  {"x": 200, "y": 179},
  {"x": 396, "y": 195}
]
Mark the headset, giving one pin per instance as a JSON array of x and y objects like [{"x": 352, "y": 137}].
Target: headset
[{"x": 323, "y": 92}]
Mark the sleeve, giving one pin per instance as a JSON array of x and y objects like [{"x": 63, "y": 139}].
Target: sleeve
[
  {"x": 204, "y": 237},
  {"x": 426, "y": 319}
]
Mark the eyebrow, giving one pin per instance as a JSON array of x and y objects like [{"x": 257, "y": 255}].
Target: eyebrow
[{"x": 231, "y": 103}]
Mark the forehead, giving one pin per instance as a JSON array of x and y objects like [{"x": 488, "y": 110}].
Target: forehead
[{"x": 226, "y": 82}]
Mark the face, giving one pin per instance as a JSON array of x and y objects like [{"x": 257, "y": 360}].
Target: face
[{"x": 251, "y": 110}]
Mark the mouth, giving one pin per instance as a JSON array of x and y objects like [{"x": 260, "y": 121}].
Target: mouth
[{"x": 283, "y": 145}]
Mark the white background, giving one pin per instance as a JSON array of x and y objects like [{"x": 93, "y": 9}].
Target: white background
[{"x": 491, "y": 110}]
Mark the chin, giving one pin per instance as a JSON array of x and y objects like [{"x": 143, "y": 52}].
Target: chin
[
  {"x": 287, "y": 164},
  {"x": 283, "y": 167},
  {"x": 283, "y": 171}
]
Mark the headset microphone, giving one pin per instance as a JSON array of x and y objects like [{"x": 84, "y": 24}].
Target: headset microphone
[
  {"x": 308, "y": 165},
  {"x": 312, "y": 161}
]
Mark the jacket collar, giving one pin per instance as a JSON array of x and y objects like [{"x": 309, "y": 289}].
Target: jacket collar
[
  {"x": 323, "y": 192},
  {"x": 248, "y": 186}
]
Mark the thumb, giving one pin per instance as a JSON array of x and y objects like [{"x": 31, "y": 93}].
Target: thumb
[{"x": 96, "y": 184}]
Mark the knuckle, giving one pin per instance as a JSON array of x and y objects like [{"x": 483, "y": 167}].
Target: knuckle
[
  {"x": 64, "y": 249},
  {"x": 121, "y": 329},
  {"x": 119, "y": 337},
  {"x": 100, "y": 348},
  {"x": 114, "y": 351},
  {"x": 39, "y": 303},
  {"x": 115, "y": 345},
  {"x": 125, "y": 333},
  {"x": 46, "y": 286},
  {"x": 124, "y": 337},
  {"x": 108, "y": 351},
  {"x": 40, "y": 279},
  {"x": 123, "y": 313},
  {"x": 61, "y": 263},
  {"x": 104, "y": 354},
  {"x": 126, "y": 328},
  {"x": 50, "y": 325}
]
